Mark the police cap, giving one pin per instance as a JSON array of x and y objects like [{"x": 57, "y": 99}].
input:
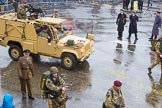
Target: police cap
[
  {"x": 53, "y": 69},
  {"x": 26, "y": 51},
  {"x": 117, "y": 83}
]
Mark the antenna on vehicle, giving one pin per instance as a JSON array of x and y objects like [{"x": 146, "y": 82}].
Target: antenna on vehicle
[{"x": 92, "y": 29}]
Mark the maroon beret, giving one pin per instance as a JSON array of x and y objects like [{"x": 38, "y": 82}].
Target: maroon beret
[{"x": 117, "y": 83}]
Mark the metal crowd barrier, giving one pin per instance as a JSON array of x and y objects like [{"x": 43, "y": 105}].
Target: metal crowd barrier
[
  {"x": 5, "y": 8},
  {"x": 51, "y": 4}
]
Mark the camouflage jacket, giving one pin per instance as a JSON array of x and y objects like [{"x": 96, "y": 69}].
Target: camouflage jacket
[
  {"x": 158, "y": 47},
  {"x": 114, "y": 99},
  {"x": 43, "y": 34},
  {"x": 55, "y": 84},
  {"x": 21, "y": 14}
]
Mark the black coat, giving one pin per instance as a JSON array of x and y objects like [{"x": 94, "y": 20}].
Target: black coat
[
  {"x": 157, "y": 25},
  {"x": 121, "y": 21},
  {"x": 133, "y": 24}
]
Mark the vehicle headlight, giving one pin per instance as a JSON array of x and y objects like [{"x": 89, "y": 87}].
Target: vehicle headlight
[
  {"x": 91, "y": 44},
  {"x": 82, "y": 50}
]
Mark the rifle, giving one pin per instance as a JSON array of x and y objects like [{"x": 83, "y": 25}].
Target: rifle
[{"x": 35, "y": 11}]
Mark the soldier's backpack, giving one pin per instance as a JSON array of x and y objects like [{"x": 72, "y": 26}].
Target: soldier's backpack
[
  {"x": 45, "y": 90},
  {"x": 43, "y": 86}
]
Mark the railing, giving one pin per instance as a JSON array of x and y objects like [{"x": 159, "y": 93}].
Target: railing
[
  {"x": 5, "y": 8},
  {"x": 49, "y": 5}
]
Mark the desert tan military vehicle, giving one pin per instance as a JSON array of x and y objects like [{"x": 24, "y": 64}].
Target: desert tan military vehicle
[{"x": 21, "y": 34}]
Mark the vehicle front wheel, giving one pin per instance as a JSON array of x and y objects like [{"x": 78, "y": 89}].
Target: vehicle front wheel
[
  {"x": 69, "y": 61},
  {"x": 15, "y": 52}
]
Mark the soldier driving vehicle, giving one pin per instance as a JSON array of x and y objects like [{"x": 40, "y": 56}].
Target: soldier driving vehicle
[
  {"x": 45, "y": 33},
  {"x": 23, "y": 34}
]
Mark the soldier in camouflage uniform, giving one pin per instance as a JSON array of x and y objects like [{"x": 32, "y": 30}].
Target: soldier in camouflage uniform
[
  {"x": 60, "y": 101},
  {"x": 21, "y": 13},
  {"x": 25, "y": 73},
  {"x": 55, "y": 84},
  {"x": 114, "y": 97},
  {"x": 44, "y": 33},
  {"x": 158, "y": 56},
  {"x": 55, "y": 14}
]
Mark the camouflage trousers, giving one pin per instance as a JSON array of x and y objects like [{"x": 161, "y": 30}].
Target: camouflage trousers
[
  {"x": 52, "y": 103},
  {"x": 156, "y": 61}
]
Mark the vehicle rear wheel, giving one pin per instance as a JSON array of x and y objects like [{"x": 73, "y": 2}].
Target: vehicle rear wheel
[
  {"x": 15, "y": 52},
  {"x": 68, "y": 61}
]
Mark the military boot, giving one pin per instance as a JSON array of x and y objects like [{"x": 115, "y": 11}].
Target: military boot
[
  {"x": 149, "y": 71},
  {"x": 30, "y": 97}
]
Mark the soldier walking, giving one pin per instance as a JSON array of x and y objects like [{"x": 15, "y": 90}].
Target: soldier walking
[
  {"x": 25, "y": 73},
  {"x": 114, "y": 97},
  {"x": 158, "y": 56},
  {"x": 56, "y": 90},
  {"x": 121, "y": 21}
]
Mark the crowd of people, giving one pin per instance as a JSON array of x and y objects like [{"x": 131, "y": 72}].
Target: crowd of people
[{"x": 118, "y": 102}]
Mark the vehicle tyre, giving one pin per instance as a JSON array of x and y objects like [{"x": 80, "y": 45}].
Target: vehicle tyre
[
  {"x": 36, "y": 57},
  {"x": 84, "y": 66},
  {"x": 15, "y": 52},
  {"x": 69, "y": 61}
]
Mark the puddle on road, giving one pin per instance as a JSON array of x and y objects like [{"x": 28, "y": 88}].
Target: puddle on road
[
  {"x": 155, "y": 95},
  {"x": 77, "y": 80}
]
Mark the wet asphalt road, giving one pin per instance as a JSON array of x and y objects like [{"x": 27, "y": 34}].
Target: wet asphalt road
[{"x": 108, "y": 63}]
